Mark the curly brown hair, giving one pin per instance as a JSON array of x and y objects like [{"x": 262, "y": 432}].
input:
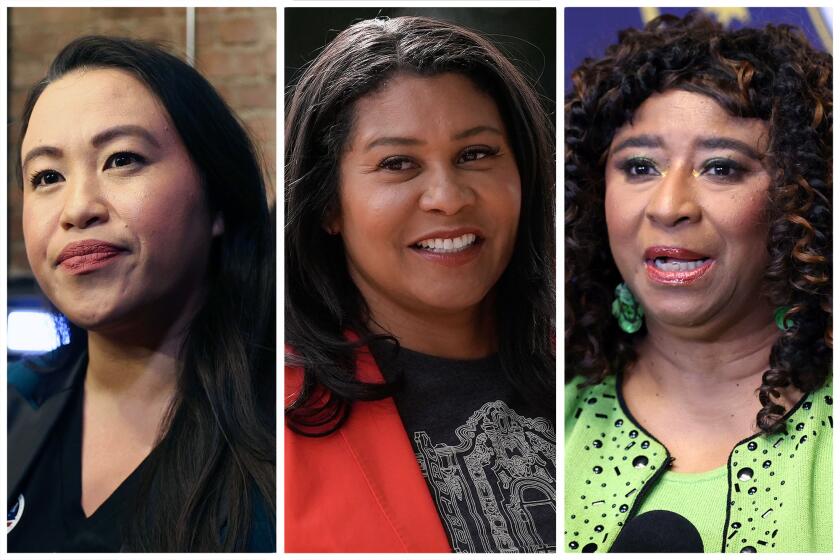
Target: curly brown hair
[{"x": 771, "y": 74}]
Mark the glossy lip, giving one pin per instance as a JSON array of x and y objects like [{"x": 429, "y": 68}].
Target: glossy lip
[
  {"x": 450, "y": 259},
  {"x": 673, "y": 253},
  {"x": 84, "y": 257},
  {"x": 676, "y": 278}
]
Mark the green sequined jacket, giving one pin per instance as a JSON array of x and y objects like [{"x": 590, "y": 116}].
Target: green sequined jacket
[{"x": 780, "y": 486}]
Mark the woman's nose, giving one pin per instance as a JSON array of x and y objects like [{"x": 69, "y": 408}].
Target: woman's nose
[
  {"x": 673, "y": 200},
  {"x": 446, "y": 192},
  {"x": 84, "y": 204}
]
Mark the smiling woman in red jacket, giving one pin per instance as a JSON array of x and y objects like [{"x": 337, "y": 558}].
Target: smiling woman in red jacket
[{"x": 419, "y": 297}]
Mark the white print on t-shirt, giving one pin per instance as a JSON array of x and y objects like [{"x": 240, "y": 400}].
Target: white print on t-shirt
[{"x": 490, "y": 486}]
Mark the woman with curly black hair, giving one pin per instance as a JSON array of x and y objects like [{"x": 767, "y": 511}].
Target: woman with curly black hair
[
  {"x": 698, "y": 295},
  {"x": 419, "y": 297}
]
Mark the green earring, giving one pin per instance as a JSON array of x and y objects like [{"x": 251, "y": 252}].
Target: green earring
[
  {"x": 627, "y": 310},
  {"x": 779, "y": 317}
]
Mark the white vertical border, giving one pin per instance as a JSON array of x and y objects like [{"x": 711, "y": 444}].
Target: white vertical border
[
  {"x": 560, "y": 269},
  {"x": 280, "y": 244}
]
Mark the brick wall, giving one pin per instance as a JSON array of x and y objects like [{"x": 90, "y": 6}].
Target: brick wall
[{"x": 235, "y": 49}]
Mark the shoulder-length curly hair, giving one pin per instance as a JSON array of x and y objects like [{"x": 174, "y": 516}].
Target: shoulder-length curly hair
[
  {"x": 771, "y": 74},
  {"x": 322, "y": 303}
]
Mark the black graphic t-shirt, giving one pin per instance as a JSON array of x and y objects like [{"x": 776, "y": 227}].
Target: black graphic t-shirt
[{"x": 488, "y": 458}]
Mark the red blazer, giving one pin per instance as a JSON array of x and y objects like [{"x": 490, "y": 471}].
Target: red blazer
[{"x": 359, "y": 489}]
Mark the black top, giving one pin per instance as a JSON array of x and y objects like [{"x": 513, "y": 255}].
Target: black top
[
  {"x": 42, "y": 392},
  {"x": 52, "y": 519},
  {"x": 487, "y": 456}
]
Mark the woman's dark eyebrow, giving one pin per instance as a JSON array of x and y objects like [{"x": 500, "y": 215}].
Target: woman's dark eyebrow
[
  {"x": 102, "y": 138},
  {"x": 706, "y": 143},
  {"x": 407, "y": 141},
  {"x": 42, "y": 151},
  {"x": 393, "y": 141},
  {"x": 123, "y": 130},
  {"x": 641, "y": 141},
  {"x": 724, "y": 143},
  {"x": 476, "y": 130}
]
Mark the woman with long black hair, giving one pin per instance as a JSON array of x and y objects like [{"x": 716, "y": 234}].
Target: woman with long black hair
[
  {"x": 419, "y": 297},
  {"x": 146, "y": 225}
]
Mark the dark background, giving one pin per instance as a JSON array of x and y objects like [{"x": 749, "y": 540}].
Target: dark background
[{"x": 526, "y": 35}]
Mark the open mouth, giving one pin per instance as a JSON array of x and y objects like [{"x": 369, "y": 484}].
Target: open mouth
[
  {"x": 449, "y": 245},
  {"x": 676, "y": 266},
  {"x": 667, "y": 264}
]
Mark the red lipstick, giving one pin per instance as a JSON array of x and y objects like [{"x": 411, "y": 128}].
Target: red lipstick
[
  {"x": 675, "y": 266},
  {"x": 83, "y": 257}
]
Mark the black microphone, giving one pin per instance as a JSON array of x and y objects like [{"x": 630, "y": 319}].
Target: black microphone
[{"x": 658, "y": 531}]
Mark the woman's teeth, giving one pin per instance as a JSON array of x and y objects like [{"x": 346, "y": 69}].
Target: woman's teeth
[
  {"x": 672, "y": 265},
  {"x": 448, "y": 245}
]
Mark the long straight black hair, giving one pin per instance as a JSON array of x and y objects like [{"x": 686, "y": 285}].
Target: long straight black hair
[
  {"x": 322, "y": 303},
  {"x": 214, "y": 466}
]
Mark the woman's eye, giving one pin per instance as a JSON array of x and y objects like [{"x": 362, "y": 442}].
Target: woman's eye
[
  {"x": 723, "y": 168},
  {"x": 47, "y": 177},
  {"x": 475, "y": 154},
  {"x": 123, "y": 159},
  {"x": 397, "y": 163},
  {"x": 639, "y": 167}
]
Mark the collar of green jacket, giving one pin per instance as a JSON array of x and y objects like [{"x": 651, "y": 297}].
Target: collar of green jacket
[{"x": 780, "y": 486}]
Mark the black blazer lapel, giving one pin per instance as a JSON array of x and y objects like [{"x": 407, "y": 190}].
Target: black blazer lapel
[{"x": 30, "y": 425}]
